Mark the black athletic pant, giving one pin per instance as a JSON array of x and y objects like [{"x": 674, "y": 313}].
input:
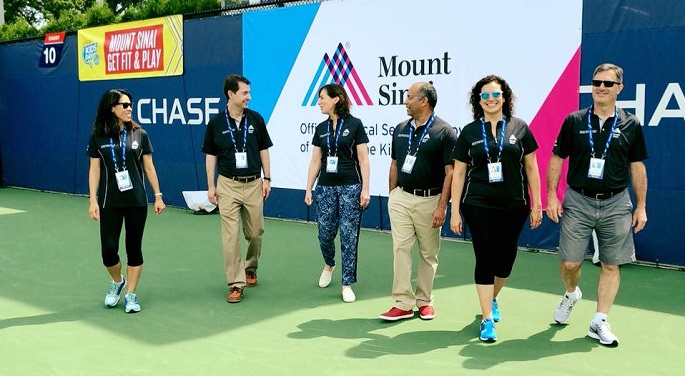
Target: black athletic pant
[{"x": 111, "y": 221}]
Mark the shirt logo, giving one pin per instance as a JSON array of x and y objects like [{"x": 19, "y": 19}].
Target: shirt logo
[
  {"x": 512, "y": 140},
  {"x": 134, "y": 145},
  {"x": 340, "y": 70}
]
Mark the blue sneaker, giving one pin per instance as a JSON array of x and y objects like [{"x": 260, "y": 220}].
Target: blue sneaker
[
  {"x": 114, "y": 292},
  {"x": 487, "y": 331},
  {"x": 132, "y": 305},
  {"x": 496, "y": 315}
]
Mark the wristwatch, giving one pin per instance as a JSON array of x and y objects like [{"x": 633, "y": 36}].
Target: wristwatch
[
  {"x": 267, "y": 178},
  {"x": 159, "y": 194}
]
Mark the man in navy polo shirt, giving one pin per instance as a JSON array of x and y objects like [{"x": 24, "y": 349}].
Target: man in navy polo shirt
[
  {"x": 606, "y": 148},
  {"x": 237, "y": 140},
  {"x": 419, "y": 183}
]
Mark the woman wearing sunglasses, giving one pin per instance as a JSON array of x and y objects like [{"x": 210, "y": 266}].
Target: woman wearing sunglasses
[
  {"x": 120, "y": 155},
  {"x": 494, "y": 169}
]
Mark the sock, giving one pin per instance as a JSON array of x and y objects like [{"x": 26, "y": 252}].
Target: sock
[
  {"x": 599, "y": 316},
  {"x": 573, "y": 294}
]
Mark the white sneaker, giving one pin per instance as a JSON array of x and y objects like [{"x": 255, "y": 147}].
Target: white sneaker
[
  {"x": 348, "y": 294},
  {"x": 114, "y": 292},
  {"x": 325, "y": 278},
  {"x": 602, "y": 332},
  {"x": 566, "y": 305}
]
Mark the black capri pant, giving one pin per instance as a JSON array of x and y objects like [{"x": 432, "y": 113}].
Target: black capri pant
[
  {"x": 495, "y": 235},
  {"x": 111, "y": 220}
]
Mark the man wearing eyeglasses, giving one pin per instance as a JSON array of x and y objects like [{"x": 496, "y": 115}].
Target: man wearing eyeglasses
[
  {"x": 419, "y": 185},
  {"x": 606, "y": 149},
  {"x": 236, "y": 140}
]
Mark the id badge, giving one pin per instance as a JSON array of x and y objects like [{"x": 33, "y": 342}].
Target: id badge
[
  {"x": 332, "y": 165},
  {"x": 596, "y": 170},
  {"x": 123, "y": 180},
  {"x": 495, "y": 172},
  {"x": 241, "y": 160},
  {"x": 408, "y": 165}
]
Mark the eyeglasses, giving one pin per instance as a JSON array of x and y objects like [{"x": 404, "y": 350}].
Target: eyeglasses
[
  {"x": 598, "y": 83},
  {"x": 124, "y": 105},
  {"x": 485, "y": 95}
]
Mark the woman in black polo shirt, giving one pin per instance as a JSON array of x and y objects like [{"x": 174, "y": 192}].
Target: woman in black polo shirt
[
  {"x": 340, "y": 161},
  {"x": 120, "y": 155},
  {"x": 494, "y": 166}
]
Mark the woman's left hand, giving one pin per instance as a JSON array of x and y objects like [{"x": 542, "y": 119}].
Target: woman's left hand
[
  {"x": 535, "y": 217},
  {"x": 159, "y": 205},
  {"x": 364, "y": 199}
]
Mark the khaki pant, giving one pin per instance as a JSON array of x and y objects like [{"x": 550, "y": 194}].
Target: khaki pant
[
  {"x": 410, "y": 220},
  {"x": 240, "y": 202}
]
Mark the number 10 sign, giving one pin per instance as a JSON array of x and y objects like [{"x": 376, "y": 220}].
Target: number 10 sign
[{"x": 52, "y": 50}]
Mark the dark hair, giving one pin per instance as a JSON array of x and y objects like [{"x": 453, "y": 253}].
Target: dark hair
[
  {"x": 342, "y": 108},
  {"x": 106, "y": 123},
  {"x": 618, "y": 71},
  {"x": 427, "y": 90},
  {"x": 232, "y": 83},
  {"x": 507, "y": 107}
]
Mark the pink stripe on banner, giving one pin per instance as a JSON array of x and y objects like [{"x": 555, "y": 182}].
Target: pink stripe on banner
[
  {"x": 562, "y": 100},
  {"x": 362, "y": 89}
]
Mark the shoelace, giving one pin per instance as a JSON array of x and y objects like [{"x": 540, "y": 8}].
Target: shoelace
[
  {"x": 114, "y": 287},
  {"x": 566, "y": 303},
  {"x": 131, "y": 299}
]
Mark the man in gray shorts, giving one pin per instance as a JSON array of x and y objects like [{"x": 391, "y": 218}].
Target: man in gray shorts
[{"x": 606, "y": 148}]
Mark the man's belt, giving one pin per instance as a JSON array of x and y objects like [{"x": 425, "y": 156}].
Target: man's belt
[
  {"x": 598, "y": 195},
  {"x": 244, "y": 179},
  {"x": 423, "y": 192}
]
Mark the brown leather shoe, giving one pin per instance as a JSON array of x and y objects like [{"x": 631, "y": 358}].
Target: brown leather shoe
[
  {"x": 235, "y": 295},
  {"x": 251, "y": 278}
]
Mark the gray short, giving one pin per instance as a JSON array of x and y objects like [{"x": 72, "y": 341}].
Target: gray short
[{"x": 611, "y": 219}]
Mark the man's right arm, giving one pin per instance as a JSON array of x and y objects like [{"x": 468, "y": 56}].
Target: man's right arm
[
  {"x": 392, "y": 176},
  {"x": 554, "y": 209},
  {"x": 210, "y": 168}
]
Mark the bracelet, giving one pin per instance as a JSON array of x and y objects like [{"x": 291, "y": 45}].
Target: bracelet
[
  {"x": 159, "y": 194},
  {"x": 267, "y": 178}
]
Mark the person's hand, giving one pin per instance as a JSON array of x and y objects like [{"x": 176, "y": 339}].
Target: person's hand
[
  {"x": 211, "y": 195},
  {"x": 94, "y": 211},
  {"x": 308, "y": 198},
  {"x": 364, "y": 199},
  {"x": 535, "y": 217},
  {"x": 159, "y": 205},
  {"x": 439, "y": 215},
  {"x": 266, "y": 189},
  {"x": 639, "y": 219},
  {"x": 456, "y": 223},
  {"x": 554, "y": 209}
]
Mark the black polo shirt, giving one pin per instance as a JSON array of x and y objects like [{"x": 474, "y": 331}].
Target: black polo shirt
[
  {"x": 137, "y": 144},
  {"x": 519, "y": 141},
  {"x": 218, "y": 142},
  {"x": 352, "y": 133},
  {"x": 435, "y": 152},
  {"x": 627, "y": 145}
]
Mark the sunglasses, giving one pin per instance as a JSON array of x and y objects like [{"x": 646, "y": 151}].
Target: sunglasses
[
  {"x": 485, "y": 96},
  {"x": 124, "y": 105},
  {"x": 598, "y": 83}
]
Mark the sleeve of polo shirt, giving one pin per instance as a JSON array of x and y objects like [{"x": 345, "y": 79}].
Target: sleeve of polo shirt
[
  {"x": 360, "y": 136},
  {"x": 397, "y": 131},
  {"x": 461, "y": 149},
  {"x": 146, "y": 144},
  {"x": 638, "y": 151},
  {"x": 264, "y": 140},
  {"x": 562, "y": 145},
  {"x": 92, "y": 149},
  {"x": 528, "y": 141},
  {"x": 448, "y": 143},
  {"x": 208, "y": 145}
]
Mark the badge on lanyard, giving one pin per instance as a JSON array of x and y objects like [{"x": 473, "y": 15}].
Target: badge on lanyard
[
  {"x": 123, "y": 180},
  {"x": 332, "y": 165},
  {"x": 408, "y": 165},
  {"x": 596, "y": 170},
  {"x": 241, "y": 159},
  {"x": 495, "y": 172}
]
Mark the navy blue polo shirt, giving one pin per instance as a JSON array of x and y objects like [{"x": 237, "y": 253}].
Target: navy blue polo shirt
[
  {"x": 435, "y": 152},
  {"x": 627, "y": 145},
  {"x": 218, "y": 142},
  {"x": 352, "y": 133},
  {"x": 519, "y": 141}
]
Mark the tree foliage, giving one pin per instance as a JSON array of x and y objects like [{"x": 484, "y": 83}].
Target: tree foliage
[{"x": 32, "y": 18}]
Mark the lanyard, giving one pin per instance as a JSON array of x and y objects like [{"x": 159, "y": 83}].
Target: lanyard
[
  {"x": 123, "y": 152},
  {"x": 411, "y": 131},
  {"x": 501, "y": 139},
  {"x": 589, "y": 133},
  {"x": 230, "y": 131},
  {"x": 337, "y": 137}
]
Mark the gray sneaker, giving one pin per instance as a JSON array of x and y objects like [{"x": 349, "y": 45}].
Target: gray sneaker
[
  {"x": 114, "y": 292},
  {"x": 601, "y": 331},
  {"x": 565, "y": 306}
]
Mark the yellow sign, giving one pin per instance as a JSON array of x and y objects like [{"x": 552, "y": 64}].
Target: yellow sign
[{"x": 150, "y": 48}]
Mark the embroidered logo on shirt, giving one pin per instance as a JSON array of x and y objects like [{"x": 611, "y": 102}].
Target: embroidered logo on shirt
[
  {"x": 512, "y": 140},
  {"x": 345, "y": 132},
  {"x": 134, "y": 145},
  {"x": 250, "y": 129}
]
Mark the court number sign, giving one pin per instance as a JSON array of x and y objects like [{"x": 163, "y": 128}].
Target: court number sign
[{"x": 52, "y": 50}]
